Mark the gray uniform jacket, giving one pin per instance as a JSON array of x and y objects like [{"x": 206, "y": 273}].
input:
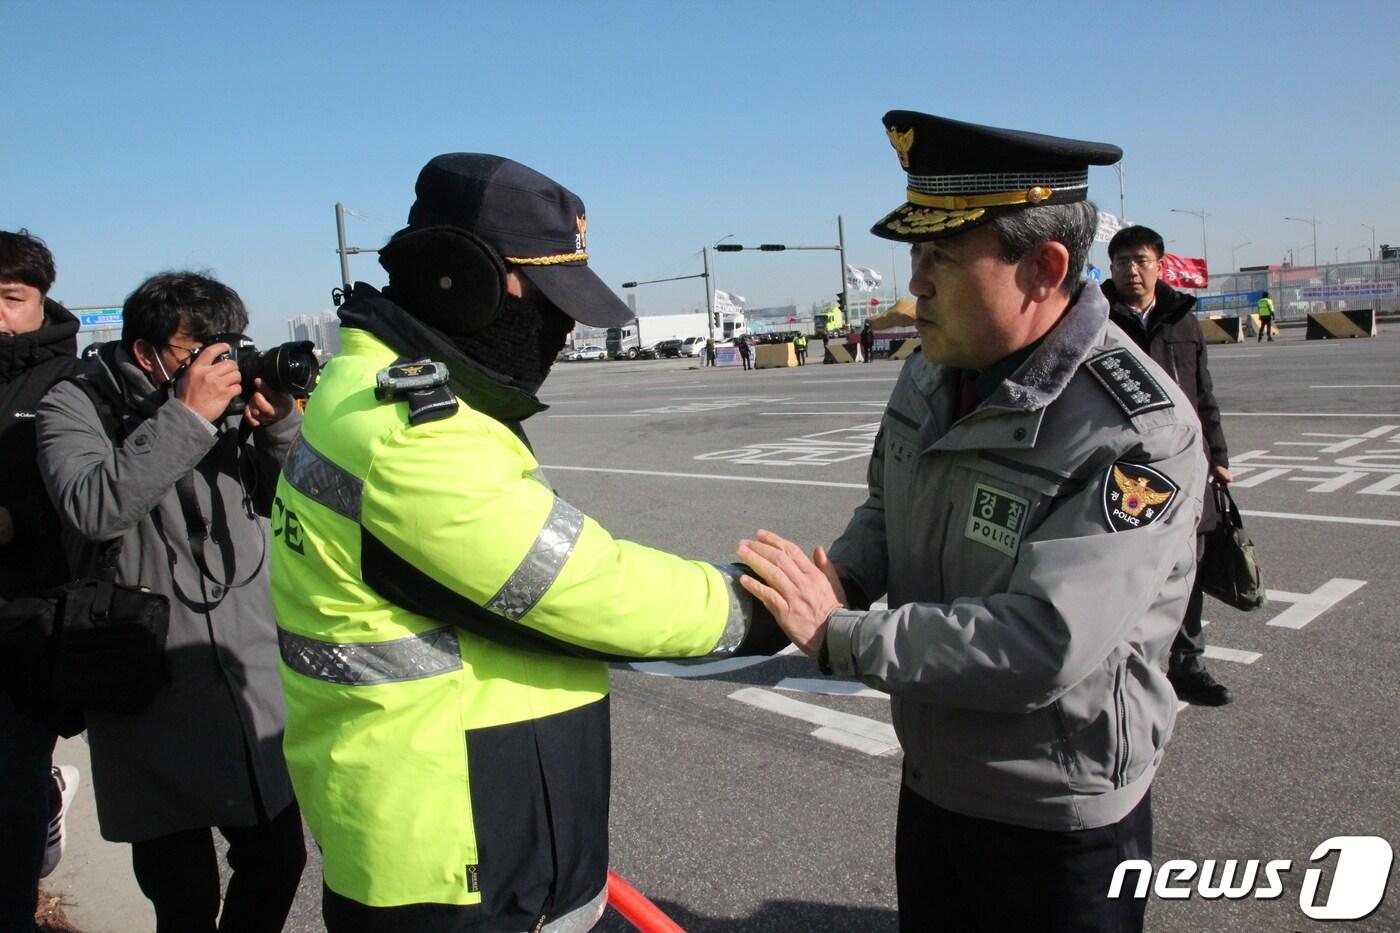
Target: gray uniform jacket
[
  {"x": 1037, "y": 554},
  {"x": 212, "y": 738}
]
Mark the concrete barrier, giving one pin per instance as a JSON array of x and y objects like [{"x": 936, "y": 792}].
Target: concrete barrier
[
  {"x": 837, "y": 353},
  {"x": 775, "y": 356},
  {"x": 1222, "y": 329},
  {"x": 1327, "y": 325},
  {"x": 903, "y": 349}
]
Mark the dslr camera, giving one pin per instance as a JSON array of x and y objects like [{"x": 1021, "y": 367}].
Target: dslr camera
[{"x": 288, "y": 367}]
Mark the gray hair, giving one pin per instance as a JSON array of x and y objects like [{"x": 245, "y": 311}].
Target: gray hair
[{"x": 1072, "y": 225}]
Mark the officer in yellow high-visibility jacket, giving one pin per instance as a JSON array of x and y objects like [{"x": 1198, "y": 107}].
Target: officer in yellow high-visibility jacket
[
  {"x": 1266, "y": 317},
  {"x": 444, "y": 617}
]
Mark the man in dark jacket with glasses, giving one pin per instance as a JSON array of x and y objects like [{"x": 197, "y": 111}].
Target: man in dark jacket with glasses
[{"x": 1162, "y": 321}]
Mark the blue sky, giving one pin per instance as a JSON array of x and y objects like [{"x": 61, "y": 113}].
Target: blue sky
[{"x": 147, "y": 136}]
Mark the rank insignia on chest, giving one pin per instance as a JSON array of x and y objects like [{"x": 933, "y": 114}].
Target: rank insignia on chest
[
  {"x": 1135, "y": 496},
  {"x": 996, "y": 519},
  {"x": 1129, "y": 382}
]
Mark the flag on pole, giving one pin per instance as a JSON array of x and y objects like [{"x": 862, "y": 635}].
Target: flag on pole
[
  {"x": 862, "y": 278},
  {"x": 1180, "y": 272},
  {"x": 1108, "y": 226},
  {"x": 728, "y": 302}
]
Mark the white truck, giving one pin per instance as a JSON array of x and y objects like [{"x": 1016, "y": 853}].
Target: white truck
[{"x": 637, "y": 338}]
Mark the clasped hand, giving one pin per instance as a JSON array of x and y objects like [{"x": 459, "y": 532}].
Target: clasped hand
[{"x": 800, "y": 591}]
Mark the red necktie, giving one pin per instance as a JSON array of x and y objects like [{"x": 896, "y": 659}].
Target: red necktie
[{"x": 967, "y": 398}]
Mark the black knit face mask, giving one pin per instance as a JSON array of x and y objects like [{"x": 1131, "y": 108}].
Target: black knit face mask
[{"x": 522, "y": 342}]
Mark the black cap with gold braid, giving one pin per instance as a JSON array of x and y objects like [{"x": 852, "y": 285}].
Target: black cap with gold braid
[{"x": 962, "y": 175}]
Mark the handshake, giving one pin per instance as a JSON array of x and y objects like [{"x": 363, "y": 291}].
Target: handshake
[{"x": 800, "y": 591}]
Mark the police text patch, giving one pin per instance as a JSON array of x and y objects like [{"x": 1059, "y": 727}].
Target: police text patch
[
  {"x": 1129, "y": 382},
  {"x": 1135, "y": 496},
  {"x": 996, "y": 519}
]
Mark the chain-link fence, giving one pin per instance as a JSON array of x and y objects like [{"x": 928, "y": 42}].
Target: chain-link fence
[{"x": 1297, "y": 291}]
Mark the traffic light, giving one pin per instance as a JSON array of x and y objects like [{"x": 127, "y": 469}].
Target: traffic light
[
  {"x": 714, "y": 319},
  {"x": 841, "y": 301}
]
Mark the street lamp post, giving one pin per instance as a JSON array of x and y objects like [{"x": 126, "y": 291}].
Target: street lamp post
[
  {"x": 1312, "y": 222},
  {"x": 1238, "y": 246},
  {"x": 1372, "y": 228},
  {"x": 337, "y": 294},
  {"x": 1122, "y": 211},
  {"x": 709, "y": 308},
  {"x": 1205, "y": 250}
]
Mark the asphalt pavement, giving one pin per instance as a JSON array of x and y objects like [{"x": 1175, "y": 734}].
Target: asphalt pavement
[{"x": 762, "y": 796}]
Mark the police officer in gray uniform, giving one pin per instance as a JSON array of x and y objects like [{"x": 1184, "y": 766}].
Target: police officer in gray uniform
[{"x": 1033, "y": 498}]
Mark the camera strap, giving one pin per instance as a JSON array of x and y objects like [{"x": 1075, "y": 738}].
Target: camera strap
[{"x": 199, "y": 530}]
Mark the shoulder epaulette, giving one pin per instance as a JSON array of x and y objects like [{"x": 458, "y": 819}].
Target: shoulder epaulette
[
  {"x": 421, "y": 383},
  {"x": 1129, "y": 382}
]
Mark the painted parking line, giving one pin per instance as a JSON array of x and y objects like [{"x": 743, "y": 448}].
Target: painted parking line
[
  {"x": 829, "y": 687},
  {"x": 856, "y": 732},
  {"x": 781, "y": 481},
  {"x": 1308, "y": 606},
  {"x": 705, "y": 668},
  {"x": 1311, "y": 414},
  {"x": 1335, "y": 519},
  {"x": 1233, "y": 655},
  {"x": 724, "y": 479}
]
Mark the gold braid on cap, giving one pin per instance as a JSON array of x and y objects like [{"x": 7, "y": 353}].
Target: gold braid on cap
[
  {"x": 556, "y": 260},
  {"x": 1034, "y": 195}
]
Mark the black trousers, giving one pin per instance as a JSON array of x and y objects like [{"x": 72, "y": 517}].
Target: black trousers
[
  {"x": 179, "y": 873},
  {"x": 960, "y": 874},
  {"x": 1266, "y": 324},
  {"x": 1190, "y": 642},
  {"x": 28, "y": 799}
]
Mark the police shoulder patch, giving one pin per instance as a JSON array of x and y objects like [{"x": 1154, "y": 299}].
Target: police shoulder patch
[
  {"x": 1135, "y": 496},
  {"x": 1129, "y": 382}
]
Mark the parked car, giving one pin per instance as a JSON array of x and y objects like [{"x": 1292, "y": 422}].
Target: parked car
[
  {"x": 668, "y": 349},
  {"x": 693, "y": 346},
  {"x": 587, "y": 353}
]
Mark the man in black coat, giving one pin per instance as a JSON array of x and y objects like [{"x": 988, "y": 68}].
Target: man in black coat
[
  {"x": 1161, "y": 320},
  {"x": 38, "y": 340}
]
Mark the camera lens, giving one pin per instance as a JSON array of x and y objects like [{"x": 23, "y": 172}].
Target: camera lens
[{"x": 288, "y": 367}]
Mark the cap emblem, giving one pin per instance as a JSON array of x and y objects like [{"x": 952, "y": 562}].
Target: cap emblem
[
  {"x": 581, "y": 238},
  {"x": 902, "y": 142}
]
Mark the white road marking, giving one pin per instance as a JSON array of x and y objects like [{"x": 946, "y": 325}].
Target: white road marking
[
  {"x": 704, "y": 668},
  {"x": 781, "y": 481},
  {"x": 1354, "y": 387},
  {"x": 1312, "y": 414},
  {"x": 865, "y": 735},
  {"x": 1217, "y": 653},
  {"x": 729, "y": 479},
  {"x": 1339, "y": 519},
  {"x": 826, "y": 687},
  {"x": 877, "y": 403},
  {"x": 1308, "y": 606},
  {"x": 827, "y": 382}
]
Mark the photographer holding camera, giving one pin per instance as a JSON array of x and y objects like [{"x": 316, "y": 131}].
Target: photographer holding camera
[{"x": 149, "y": 448}]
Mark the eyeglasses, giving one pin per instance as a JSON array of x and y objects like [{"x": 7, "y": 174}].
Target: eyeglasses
[
  {"x": 189, "y": 351},
  {"x": 1124, "y": 263}
]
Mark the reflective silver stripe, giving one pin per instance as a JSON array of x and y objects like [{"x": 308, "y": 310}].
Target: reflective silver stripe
[
  {"x": 538, "y": 570},
  {"x": 312, "y": 475},
  {"x": 740, "y": 611},
  {"x": 580, "y": 919},
  {"x": 367, "y": 663}
]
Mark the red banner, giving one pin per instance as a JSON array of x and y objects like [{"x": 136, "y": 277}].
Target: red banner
[{"x": 1180, "y": 272}]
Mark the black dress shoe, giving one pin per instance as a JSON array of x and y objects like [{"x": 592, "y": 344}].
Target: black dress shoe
[{"x": 1197, "y": 687}]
